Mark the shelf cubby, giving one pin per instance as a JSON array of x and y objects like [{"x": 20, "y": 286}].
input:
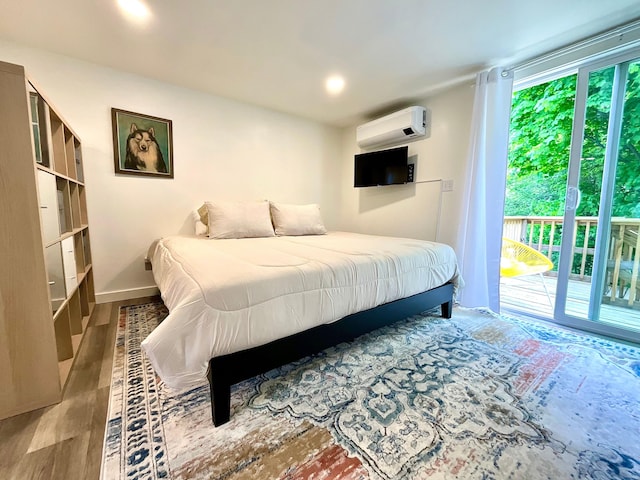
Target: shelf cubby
[
  {"x": 64, "y": 205},
  {"x": 48, "y": 203},
  {"x": 77, "y": 155},
  {"x": 75, "y": 314},
  {"x": 83, "y": 205},
  {"x": 79, "y": 252},
  {"x": 87, "y": 248},
  {"x": 90, "y": 288},
  {"x": 39, "y": 125},
  {"x": 75, "y": 205},
  {"x": 55, "y": 276},
  {"x": 58, "y": 144},
  {"x": 63, "y": 334},
  {"x": 84, "y": 299},
  {"x": 70, "y": 155}
]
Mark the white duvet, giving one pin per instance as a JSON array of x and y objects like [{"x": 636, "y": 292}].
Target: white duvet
[{"x": 225, "y": 296}]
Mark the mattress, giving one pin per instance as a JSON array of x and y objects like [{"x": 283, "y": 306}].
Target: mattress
[{"x": 229, "y": 295}]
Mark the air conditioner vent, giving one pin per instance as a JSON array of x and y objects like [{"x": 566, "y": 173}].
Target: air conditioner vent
[{"x": 394, "y": 128}]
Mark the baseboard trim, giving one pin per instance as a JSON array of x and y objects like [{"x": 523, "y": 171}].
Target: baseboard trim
[{"x": 119, "y": 295}]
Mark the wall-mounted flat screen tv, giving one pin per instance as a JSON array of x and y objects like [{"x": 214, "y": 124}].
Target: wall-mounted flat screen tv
[{"x": 384, "y": 167}]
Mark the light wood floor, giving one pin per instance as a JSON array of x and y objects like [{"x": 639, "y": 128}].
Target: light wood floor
[
  {"x": 527, "y": 294},
  {"x": 64, "y": 441}
]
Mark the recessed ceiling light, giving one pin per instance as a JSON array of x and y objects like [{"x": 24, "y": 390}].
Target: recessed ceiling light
[
  {"x": 334, "y": 84},
  {"x": 135, "y": 9}
]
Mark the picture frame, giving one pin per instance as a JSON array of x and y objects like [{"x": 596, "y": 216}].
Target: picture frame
[{"x": 142, "y": 144}]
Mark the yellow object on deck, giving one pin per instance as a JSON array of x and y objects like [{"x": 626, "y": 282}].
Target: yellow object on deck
[{"x": 518, "y": 259}]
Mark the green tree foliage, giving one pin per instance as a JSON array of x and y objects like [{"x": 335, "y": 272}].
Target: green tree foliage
[
  {"x": 540, "y": 138},
  {"x": 627, "y": 199},
  {"x": 540, "y": 141}
]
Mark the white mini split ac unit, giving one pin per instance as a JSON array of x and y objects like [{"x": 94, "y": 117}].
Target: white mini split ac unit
[{"x": 394, "y": 128}]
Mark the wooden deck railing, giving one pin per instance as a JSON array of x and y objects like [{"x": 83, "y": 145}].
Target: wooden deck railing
[{"x": 623, "y": 263}]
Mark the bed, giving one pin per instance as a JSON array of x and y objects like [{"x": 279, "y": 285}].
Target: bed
[{"x": 240, "y": 307}]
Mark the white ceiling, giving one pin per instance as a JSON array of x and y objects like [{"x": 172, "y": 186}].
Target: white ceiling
[{"x": 277, "y": 53}]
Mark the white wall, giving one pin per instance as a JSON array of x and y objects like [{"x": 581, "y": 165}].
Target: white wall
[
  {"x": 223, "y": 150},
  {"x": 419, "y": 210},
  {"x": 230, "y": 150}
]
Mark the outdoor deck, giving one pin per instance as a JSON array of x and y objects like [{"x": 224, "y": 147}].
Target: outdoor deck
[{"x": 527, "y": 294}]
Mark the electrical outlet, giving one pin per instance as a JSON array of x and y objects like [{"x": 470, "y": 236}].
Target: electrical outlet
[{"x": 447, "y": 185}]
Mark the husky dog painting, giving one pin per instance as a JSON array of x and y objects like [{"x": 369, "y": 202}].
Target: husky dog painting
[
  {"x": 142, "y": 144},
  {"x": 143, "y": 151}
]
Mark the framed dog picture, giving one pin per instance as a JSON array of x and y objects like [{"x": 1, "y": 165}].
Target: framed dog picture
[{"x": 142, "y": 144}]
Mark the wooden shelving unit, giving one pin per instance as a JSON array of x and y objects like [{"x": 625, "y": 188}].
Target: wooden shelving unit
[{"x": 46, "y": 284}]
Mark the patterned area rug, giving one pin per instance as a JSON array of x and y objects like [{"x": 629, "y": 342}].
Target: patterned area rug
[{"x": 478, "y": 396}]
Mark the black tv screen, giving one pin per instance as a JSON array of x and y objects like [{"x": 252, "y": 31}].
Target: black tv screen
[{"x": 385, "y": 167}]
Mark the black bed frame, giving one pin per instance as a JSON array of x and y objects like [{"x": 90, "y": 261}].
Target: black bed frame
[{"x": 230, "y": 369}]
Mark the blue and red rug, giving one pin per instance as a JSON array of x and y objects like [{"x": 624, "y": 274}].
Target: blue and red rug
[{"x": 478, "y": 396}]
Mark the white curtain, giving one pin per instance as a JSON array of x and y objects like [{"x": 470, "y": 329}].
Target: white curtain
[{"x": 480, "y": 235}]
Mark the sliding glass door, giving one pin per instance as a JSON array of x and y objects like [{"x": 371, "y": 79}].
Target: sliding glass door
[{"x": 598, "y": 269}]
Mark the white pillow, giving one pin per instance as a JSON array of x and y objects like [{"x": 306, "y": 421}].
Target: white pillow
[
  {"x": 239, "y": 219},
  {"x": 297, "y": 219}
]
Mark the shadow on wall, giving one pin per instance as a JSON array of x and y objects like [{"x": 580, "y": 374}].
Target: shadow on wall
[
  {"x": 132, "y": 275},
  {"x": 189, "y": 225},
  {"x": 372, "y": 198}
]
